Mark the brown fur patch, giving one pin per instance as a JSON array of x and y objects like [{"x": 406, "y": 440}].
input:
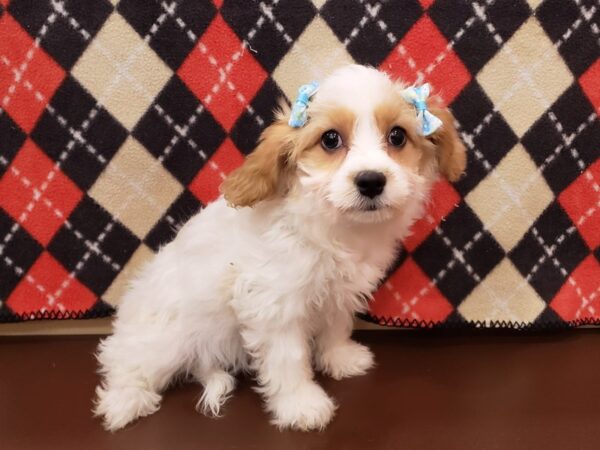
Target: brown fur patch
[
  {"x": 269, "y": 169},
  {"x": 395, "y": 112},
  {"x": 451, "y": 152},
  {"x": 415, "y": 154},
  {"x": 338, "y": 118},
  {"x": 317, "y": 158},
  {"x": 449, "y": 149},
  {"x": 309, "y": 149},
  {"x": 265, "y": 171}
]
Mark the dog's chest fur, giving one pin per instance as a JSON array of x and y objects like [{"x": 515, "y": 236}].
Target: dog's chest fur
[
  {"x": 278, "y": 260},
  {"x": 330, "y": 265}
]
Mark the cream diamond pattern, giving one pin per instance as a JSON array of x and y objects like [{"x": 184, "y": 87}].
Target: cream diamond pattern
[
  {"x": 513, "y": 300},
  {"x": 121, "y": 71},
  {"x": 534, "y": 3},
  {"x": 135, "y": 188},
  {"x": 510, "y": 198},
  {"x": 315, "y": 54},
  {"x": 119, "y": 286},
  {"x": 319, "y": 3},
  {"x": 526, "y": 71}
]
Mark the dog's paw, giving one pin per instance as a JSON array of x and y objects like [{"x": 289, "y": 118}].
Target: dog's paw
[
  {"x": 217, "y": 390},
  {"x": 345, "y": 360},
  {"x": 119, "y": 406},
  {"x": 307, "y": 408}
]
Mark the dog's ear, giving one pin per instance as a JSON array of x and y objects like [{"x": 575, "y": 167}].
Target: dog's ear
[
  {"x": 450, "y": 151},
  {"x": 263, "y": 174}
]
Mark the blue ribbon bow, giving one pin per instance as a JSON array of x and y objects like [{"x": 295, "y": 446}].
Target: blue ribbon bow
[
  {"x": 417, "y": 96},
  {"x": 299, "y": 114}
]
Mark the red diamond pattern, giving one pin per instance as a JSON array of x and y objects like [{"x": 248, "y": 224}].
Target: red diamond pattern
[
  {"x": 414, "y": 300},
  {"x": 28, "y": 76},
  {"x": 443, "y": 200},
  {"x": 424, "y": 50},
  {"x": 206, "y": 184},
  {"x": 582, "y": 286},
  {"x": 590, "y": 83},
  {"x": 48, "y": 287},
  {"x": 581, "y": 201},
  {"x": 222, "y": 73},
  {"x": 37, "y": 194}
]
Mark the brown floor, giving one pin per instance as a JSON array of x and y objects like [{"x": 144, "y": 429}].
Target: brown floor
[{"x": 438, "y": 391}]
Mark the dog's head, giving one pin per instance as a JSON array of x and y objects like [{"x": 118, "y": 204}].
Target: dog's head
[{"x": 360, "y": 153}]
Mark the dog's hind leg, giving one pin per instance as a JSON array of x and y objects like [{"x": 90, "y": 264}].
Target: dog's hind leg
[
  {"x": 216, "y": 362},
  {"x": 119, "y": 405},
  {"x": 135, "y": 370},
  {"x": 218, "y": 385}
]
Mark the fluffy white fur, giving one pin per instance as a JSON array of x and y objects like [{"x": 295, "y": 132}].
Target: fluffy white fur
[{"x": 272, "y": 288}]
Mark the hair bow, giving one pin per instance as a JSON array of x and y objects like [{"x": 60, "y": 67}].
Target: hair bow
[
  {"x": 417, "y": 96},
  {"x": 299, "y": 114}
]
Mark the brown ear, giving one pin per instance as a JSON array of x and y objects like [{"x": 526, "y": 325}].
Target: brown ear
[
  {"x": 262, "y": 176},
  {"x": 451, "y": 153}
]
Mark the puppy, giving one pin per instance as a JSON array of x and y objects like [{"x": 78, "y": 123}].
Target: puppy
[{"x": 268, "y": 277}]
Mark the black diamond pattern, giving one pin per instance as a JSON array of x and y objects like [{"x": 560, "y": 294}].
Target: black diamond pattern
[
  {"x": 71, "y": 32},
  {"x": 477, "y": 45},
  {"x": 493, "y": 140},
  {"x": 541, "y": 142},
  {"x": 269, "y": 39},
  {"x": 91, "y": 220},
  {"x": 454, "y": 319},
  {"x": 547, "y": 316},
  {"x": 548, "y": 278},
  {"x": 573, "y": 109},
  {"x": 459, "y": 228},
  {"x": 475, "y": 48},
  {"x": 103, "y": 137},
  {"x": 178, "y": 213},
  {"x": 19, "y": 253},
  {"x": 11, "y": 141},
  {"x": 557, "y": 17},
  {"x": 543, "y": 139},
  {"x": 99, "y": 309},
  {"x": 507, "y": 16},
  {"x": 173, "y": 40},
  {"x": 366, "y": 27},
  {"x": 155, "y": 133},
  {"x": 247, "y": 129}
]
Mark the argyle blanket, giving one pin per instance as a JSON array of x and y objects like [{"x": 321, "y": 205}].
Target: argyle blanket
[{"x": 119, "y": 120}]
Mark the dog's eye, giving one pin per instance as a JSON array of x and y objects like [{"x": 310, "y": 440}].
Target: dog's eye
[
  {"x": 331, "y": 140},
  {"x": 397, "y": 137}
]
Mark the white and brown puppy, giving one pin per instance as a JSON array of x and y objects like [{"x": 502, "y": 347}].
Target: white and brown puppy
[{"x": 268, "y": 277}]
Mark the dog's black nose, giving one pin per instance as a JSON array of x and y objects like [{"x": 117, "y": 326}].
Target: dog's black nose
[{"x": 370, "y": 183}]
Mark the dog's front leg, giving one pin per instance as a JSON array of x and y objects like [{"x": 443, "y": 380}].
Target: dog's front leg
[
  {"x": 281, "y": 357},
  {"x": 336, "y": 354}
]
